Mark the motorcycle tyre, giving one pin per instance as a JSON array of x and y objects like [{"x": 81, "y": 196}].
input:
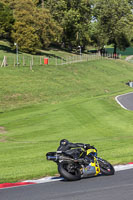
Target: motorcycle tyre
[
  {"x": 105, "y": 171},
  {"x": 68, "y": 176}
]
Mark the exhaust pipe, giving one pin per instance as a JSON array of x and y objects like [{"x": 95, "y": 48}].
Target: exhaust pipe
[{"x": 52, "y": 156}]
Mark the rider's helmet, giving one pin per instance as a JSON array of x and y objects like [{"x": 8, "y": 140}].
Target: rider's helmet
[{"x": 64, "y": 142}]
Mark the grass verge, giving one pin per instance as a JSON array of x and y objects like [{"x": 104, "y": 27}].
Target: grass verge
[{"x": 40, "y": 107}]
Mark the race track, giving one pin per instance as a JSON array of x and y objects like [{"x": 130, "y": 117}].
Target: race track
[
  {"x": 125, "y": 101},
  {"x": 117, "y": 187}
]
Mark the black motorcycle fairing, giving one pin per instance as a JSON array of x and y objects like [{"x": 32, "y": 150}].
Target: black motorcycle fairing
[
  {"x": 74, "y": 164},
  {"x": 73, "y": 153}
]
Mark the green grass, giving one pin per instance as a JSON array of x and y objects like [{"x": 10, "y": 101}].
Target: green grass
[
  {"x": 54, "y": 84},
  {"x": 131, "y": 60},
  {"x": 77, "y": 102},
  {"x": 54, "y": 56}
]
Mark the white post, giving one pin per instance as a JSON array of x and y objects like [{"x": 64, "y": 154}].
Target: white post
[
  {"x": 14, "y": 61},
  {"x": 4, "y": 62},
  {"x": 32, "y": 60},
  {"x": 16, "y": 52},
  {"x": 40, "y": 60},
  {"x": 56, "y": 61},
  {"x": 23, "y": 61},
  {"x": 31, "y": 65}
]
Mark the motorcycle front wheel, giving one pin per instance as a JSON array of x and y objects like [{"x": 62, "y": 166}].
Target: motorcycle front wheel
[
  {"x": 69, "y": 171},
  {"x": 105, "y": 167}
]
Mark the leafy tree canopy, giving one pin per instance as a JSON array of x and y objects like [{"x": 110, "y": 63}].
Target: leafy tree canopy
[
  {"x": 74, "y": 17},
  {"x": 114, "y": 22},
  {"x": 6, "y": 21},
  {"x": 73, "y": 23},
  {"x": 34, "y": 27}
]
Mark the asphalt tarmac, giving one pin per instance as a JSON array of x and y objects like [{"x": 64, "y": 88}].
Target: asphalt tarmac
[
  {"x": 116, "y": 187},
  {"x": 126, "y": 100}
]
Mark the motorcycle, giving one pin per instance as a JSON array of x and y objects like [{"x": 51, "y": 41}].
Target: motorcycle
[{"x": 78, "y": 163}]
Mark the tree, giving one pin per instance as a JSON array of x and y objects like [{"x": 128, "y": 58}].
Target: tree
[
  {"x": 57, "y": 9},
  {"x": 76, "y": 23},
  {"x": 47, "y": 29},
  {"x": 26, "y": 38},
  {"x": 6, "y": 21},
  {"x": 74, "y": 17},
  {"x": 114, "y": 21},
  {"x": 10, "y": 3},
  {"x": 98, "y": 37},
  {"x": 34, "y": 27},
  {"x": 24, "y": 32}
]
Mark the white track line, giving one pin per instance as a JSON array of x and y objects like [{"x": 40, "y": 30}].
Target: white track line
[
  {"x": 52, "y": 179},
  {"x": 45, "y": 180},
  {"x": 123, "y": 167},
  {"x": 116, "y": 98}
]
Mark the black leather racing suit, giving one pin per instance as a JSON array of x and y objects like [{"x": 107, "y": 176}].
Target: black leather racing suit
[
  {"x": 75, "y": 153},
  {"x": 72, "y": 145}
]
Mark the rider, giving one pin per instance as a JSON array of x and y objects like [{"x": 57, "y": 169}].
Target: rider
[{"x": 66, "y": 145}]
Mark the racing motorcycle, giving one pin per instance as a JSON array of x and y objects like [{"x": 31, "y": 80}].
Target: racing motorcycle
[{"x": 78, "y": 163}]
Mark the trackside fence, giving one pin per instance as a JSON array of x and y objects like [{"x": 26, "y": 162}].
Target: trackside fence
[
  {"x": 30, "y": 61},
  {"x": 77, "y": 58},
  {"x": 21, "y": 60}
]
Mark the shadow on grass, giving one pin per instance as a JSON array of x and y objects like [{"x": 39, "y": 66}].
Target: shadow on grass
[
  {"x": 7, "y": 49},
  {"x": 49, "y": 55}
]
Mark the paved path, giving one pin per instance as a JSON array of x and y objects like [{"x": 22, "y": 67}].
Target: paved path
[
  {"x": 125, "y": 101},
  {"x": 129, "y": 58},
  {"x": 117, "y": 187}
]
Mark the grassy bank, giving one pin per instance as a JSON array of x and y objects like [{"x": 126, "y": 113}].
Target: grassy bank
[{"x": 40, "y": 107}]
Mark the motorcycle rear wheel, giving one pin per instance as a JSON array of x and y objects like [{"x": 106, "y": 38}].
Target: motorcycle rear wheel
[
  {"x": 105, "y": 167},
  {"x": 67, "y": 173}
]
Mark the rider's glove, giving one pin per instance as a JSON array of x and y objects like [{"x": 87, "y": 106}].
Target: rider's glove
[{"x": 86, "y": 146}]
